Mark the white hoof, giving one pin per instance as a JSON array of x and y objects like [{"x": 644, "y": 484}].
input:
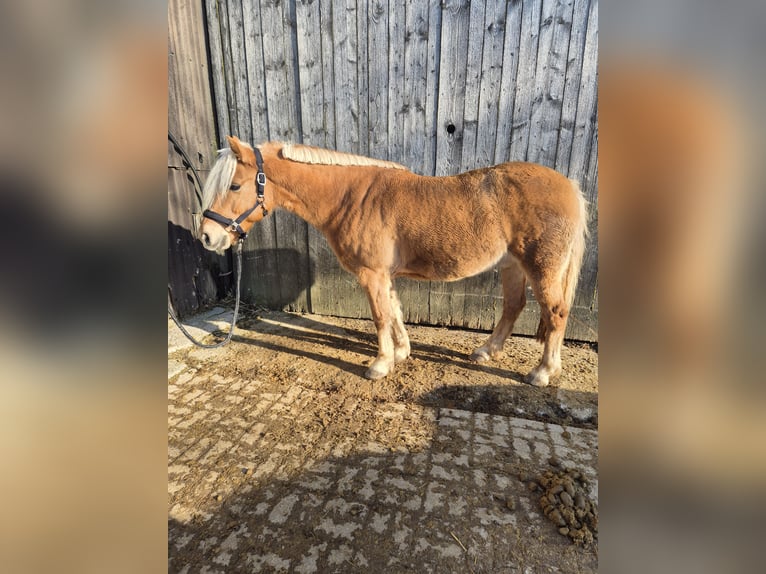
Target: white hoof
[
  {"x": 377, "y": 370},
  {"x": 537, "y": 379},
  {"x": 480, "y": 356}
]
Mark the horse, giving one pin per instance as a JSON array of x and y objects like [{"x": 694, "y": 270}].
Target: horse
[{"x": 383, "y": 221}]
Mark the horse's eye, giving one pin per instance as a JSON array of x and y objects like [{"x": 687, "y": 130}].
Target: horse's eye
[{"x": 234, "y": 187}]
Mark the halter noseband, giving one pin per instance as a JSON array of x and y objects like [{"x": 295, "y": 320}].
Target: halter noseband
[{"x": 235, "y": 224}]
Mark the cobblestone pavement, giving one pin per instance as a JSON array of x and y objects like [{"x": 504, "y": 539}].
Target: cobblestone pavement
[{"x": 268, "y": 476}]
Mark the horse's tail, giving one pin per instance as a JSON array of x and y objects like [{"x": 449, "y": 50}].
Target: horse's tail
[
  {"x": 577, "y": 248},
  {"x": 571, "y": 271}
]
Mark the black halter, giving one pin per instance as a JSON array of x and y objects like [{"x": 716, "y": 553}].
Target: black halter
[{"x": 235, "y": 224}]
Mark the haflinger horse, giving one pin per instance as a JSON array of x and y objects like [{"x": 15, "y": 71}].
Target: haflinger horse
[{"x": 383, "y": 221}]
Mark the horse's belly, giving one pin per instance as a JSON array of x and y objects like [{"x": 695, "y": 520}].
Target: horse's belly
[{"x": 449, "y": 267}]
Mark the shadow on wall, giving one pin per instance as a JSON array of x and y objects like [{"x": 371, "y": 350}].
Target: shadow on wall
[
  {"x": 277, "y": 278},
  {"x": 196, "y": 277},
  {"x": 273, "y": 278}
]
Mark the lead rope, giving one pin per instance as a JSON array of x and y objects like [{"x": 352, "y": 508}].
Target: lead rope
[{"x": 237, "y": 251}]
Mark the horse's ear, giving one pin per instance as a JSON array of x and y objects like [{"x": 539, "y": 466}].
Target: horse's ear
[{"x": 243, "y": 151}]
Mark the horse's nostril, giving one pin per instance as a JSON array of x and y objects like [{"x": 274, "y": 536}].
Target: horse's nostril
[{"x": 205, "y": 239}]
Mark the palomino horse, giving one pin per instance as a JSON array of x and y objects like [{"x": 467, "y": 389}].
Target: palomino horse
[{"x": 383, "y": 221}]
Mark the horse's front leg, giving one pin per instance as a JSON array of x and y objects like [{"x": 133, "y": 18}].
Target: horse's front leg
[
  {"x": 377, "y": 285},
  {"x": 401, "y": 340}
]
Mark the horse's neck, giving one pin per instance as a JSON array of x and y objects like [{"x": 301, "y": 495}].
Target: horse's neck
[{"x": 312, "y": 192}]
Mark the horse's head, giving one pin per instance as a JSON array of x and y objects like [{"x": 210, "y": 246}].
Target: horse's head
[{"x": 233, "y": 201}]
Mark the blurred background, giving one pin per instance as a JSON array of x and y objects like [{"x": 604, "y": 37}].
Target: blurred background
[
  {"x": 681, "y": 247},
  {"x": 82, "y": 398}
]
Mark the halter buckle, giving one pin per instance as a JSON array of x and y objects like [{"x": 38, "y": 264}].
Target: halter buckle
[{"x": 261, "y": 178}]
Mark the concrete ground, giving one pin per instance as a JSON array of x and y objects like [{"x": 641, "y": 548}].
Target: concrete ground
[{"x": 282, "y": 458}]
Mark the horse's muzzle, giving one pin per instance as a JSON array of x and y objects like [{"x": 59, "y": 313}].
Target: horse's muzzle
[{"x": 214, "y": 238}]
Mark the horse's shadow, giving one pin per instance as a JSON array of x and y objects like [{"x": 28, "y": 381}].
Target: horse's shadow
[{"x": 331, "y": 338}]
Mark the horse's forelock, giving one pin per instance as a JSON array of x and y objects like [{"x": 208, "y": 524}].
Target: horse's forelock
[{"x": 220, "y": 177}]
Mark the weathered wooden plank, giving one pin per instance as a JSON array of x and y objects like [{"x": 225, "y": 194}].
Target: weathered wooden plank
[
  {"x": 525, "y": 77},
  {"x": 363, "y": 80},
  {"x": 415, "y": 86},
  {"x": 511, "y": 47},
  {"x": 432, "y": 87},
  {"x": 572, "y": 85},
  {"x": 547, "y": 120},
  {"x": 328, "y": 72},
  {"x": 241, "y": 97},
  {"x": 482, "y": 292},
  {"x": 256, "y": 86},
  {"x": 472, "y": 89},
  {"x": 552, "y": 49},
  {"x": 491, "y": 76},
  {"x": 377, "y": 69},
  {"x": 311, "y": 93},
  {"x": 446, "y": 302},
  {"x": 278, "y": 63},
  {"x": 217, "y": 65},
  {"x": 190, "y": 111},
  {"x": 345, "y": 77},
  {"x": 582, "y": 324},
  {"x": 396, "y": 95},
  {"x": 452, "y": 83},
  {"x": 585, "y": 118},
  {"x": 228, "y": 66}
]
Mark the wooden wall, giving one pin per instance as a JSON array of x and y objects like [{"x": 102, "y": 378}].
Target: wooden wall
[
  {"x": 441, "y": 86},
  {"x": 195, "y": 276}
]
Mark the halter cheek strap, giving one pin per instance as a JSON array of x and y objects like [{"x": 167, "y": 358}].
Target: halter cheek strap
[{"x": 236, "y": 224}]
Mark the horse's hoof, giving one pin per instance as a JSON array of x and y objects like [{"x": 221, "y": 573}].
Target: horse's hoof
[
  {"x": 374, "y": 373},
  {"x": 537, "y": 379},
  {"x": 480, "y": 356}
]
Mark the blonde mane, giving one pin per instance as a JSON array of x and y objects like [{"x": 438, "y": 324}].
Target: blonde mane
[
  {"x": 219, "y": 178},
  {"x": 309, "y": 154}
]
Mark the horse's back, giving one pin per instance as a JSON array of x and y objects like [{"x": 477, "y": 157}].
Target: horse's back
[
  {"x": 539, "y": 184},
  {"x": 453, "y": 227}
]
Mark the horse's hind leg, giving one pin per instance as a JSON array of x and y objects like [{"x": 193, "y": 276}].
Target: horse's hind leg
[
  {"x": 554, "y": 312},
  {"x": 377, "y": 285},
  {"x": 514, "y": 299},
  {"x": 401, "y": 340}
]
